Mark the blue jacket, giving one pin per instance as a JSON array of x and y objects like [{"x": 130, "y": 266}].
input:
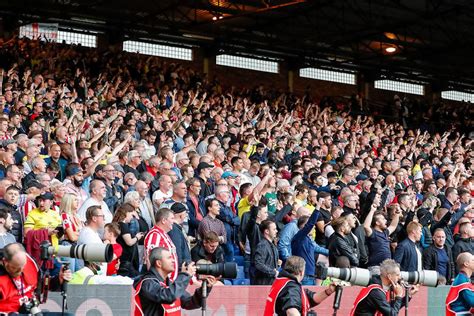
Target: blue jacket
[
  {"x": 466, "y": 298},
  {"x": 303, "y": 246},
  {"x": 286, "y": 235},
  {"x": 406, "y": 255},
  {"x": 231, "y": 221}
]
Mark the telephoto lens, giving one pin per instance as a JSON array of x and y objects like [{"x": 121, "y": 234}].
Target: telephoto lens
[
  {"x": 425, "y": 277},
  {"x": 226, "y": 270}
]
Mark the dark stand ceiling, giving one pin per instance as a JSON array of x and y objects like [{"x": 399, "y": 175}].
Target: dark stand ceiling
[{"x": 433, "y": 39}]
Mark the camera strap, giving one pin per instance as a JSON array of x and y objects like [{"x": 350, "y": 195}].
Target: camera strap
[{"x": 22, "y": 283}]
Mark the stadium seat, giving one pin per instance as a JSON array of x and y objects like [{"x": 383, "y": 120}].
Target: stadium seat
[
  {"x": 241, "y": 281},
  {"x": 227, "y": 282},
  {"x": 240, "y": 272},
  {"x": 239, "y": 260}
]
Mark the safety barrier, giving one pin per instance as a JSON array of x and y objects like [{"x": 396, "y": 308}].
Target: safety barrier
[{"x": 225, "y": 301}]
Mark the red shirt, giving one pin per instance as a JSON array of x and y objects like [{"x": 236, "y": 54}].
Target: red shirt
[
  {"x": 112, "y": 265},
  {"x": 156, "y": 237},
  {"x": 13, "y": 291}
]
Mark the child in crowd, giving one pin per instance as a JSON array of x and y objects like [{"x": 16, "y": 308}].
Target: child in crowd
[{"x": 111, "y": 232}]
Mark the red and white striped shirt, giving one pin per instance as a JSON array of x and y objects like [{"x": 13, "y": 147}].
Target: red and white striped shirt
[{"x": 157, "y": 237}]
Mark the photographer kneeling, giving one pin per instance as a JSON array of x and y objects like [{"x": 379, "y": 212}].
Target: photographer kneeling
[
  {"x": 375, "y": 298},
  {"x": 156, "y": 295},
  {"x": 19, "y": 279},
  {"x": 287, "y": 296}
]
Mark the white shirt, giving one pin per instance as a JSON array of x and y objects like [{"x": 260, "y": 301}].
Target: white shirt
[
  {"x": 88, "y": 236},
  {"x": 90, "y": 202}
]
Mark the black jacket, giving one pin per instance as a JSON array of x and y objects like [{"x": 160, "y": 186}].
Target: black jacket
[
  {"x": 377, "y": 301},
  {"x": 290, "y": 296},
  {"x": 340, "y": 246},
  {"x": 17, "y": 227},
  {"x": 182, "y": 247},
  {"x": 462, "y": 245},
  {"x": 152, "y": 294},
  {"x": 406, "y": 255},
  {"x": 253, "y": 232},
  {"x": 199, "y": 252},
  {"x": 430, "y": 261},
  {"x": 265, "y": 262}
]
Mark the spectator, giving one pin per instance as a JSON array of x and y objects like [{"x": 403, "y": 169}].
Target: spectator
[
  {"x": 97, "y": 194},
  {"x": 164, "y": 192},
  {"x": 208, "y": 249},
  {"x": 302, "y": 245},
  {"x": 407, "y": 254},
  {"x": 266, "y": 260},
  {"x": 195, "y": 204},
  {"x": 158, "y": 237},
  {"x": 439, "y": 257},
  {"x": 339, "y": 245},
  {"x": 71, "y": 224},
  {"x": 146, "y": 206},
  {"x": 211, "y": 223},
  {"x": 9, "y": 204},
  {"x": 289, "y": 231},
  {"x": 178, "y": 235},
  {"x": 129, "y": 261},
  {"x": 111, "y": 233},
  {"x": 231, "y": 221},
  {"x": 6, "y": 224},
  {"x": 465, "y": 243},
  {"x": 94, "y": 224},
  {"x": 114, "y": 194},
  {"x": 378, "y": 233}
]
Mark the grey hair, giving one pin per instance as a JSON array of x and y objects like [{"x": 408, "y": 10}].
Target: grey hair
[
  {"x": 156, "y": 254},
  {"x": 130, "y": 196},
  {"x": 35, "y": 162},
  {"x": 388, "y": 266}
]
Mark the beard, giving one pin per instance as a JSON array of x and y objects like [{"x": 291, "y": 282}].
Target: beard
[{"x": 78, "y": 183}]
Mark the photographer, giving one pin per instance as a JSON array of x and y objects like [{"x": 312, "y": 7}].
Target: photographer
[
  {"x": 287, "y": 296},
  {"x": 375, "y": 299},
  {"x": 19, "y": 279},
  {"x": 157, "y": 295},
  {"x": 460, "y": 299}
]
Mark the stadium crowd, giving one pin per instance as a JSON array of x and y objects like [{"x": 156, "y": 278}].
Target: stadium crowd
[{"x": 140, "y": 152}]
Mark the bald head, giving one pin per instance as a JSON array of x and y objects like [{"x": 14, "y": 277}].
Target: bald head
[
  {"x": 464, "y": 261},
  {"x": 14, "y": 259},
  {"x": 302, "y": 211}
]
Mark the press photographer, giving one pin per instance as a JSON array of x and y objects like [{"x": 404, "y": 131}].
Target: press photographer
[
  {"x": 385, "y": 294},
  {"x": 287, "y": 296},
  {"x": 19, "y": 280},
  {"x": 157, "y": 295}
]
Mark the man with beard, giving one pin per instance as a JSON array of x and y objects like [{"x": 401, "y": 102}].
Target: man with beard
[
  {"x": 377, "y": 232},
  {"x": 6, "y": 224},
  {"x": 74, "y": 180}
]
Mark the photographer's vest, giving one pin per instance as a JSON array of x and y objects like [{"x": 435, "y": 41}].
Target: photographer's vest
[
  {"x": 364, "y": 293},
  {"x": 173, "y": 309},
  {"x": 277, "y": 286},
  {"x": 453, "y": 296}
]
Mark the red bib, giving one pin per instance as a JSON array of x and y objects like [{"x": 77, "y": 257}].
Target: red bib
[
  {"x": 277, "y": 286},
  {"x": 364, "y": 293},
  {"x": 453, "y": 296},
  {"x": 173, "y": 309}
]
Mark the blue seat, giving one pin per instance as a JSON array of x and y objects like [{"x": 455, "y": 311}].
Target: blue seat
[
  {"x": 241, "y": 281},
  {"x": 240, "y": 272},
  {"x": 227, "y": 282},
  {"x": 239, "y": 260},
  {"x": 236, "y": 250}
]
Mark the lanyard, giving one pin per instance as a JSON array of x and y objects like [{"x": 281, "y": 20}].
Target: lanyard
[{"x": 21, "y": 289}]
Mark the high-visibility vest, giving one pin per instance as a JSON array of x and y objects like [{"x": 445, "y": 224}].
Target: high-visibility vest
[
  {"x": 453, "y": 296},
  {"x": 173, "y": 309},
  {"x": 277, "y": 286},
  {"x": 364, "y": 293}
]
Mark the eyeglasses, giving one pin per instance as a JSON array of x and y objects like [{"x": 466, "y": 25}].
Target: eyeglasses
[
  {"x": 109, "y": 170},
  {"x": 100, "y": 215}
]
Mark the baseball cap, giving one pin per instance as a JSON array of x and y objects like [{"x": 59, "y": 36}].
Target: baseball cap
[
  {"x": 45, "y": 196},
  {"x": 178, "y": 208},
  {"x": 204, "y": 165}
]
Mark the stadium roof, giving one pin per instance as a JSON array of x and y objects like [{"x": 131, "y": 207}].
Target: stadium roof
[{"x": 429, "y": 40}]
